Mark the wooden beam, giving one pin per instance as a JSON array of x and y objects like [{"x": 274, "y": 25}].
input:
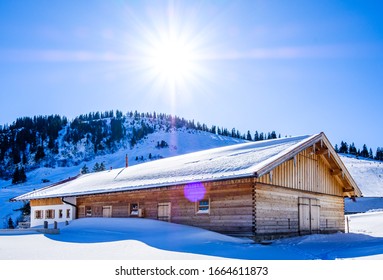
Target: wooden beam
[
  {"x": 336, "y": 171},
  {"x": 329, "y": 162},
  {"x": 321, "y": 151}
]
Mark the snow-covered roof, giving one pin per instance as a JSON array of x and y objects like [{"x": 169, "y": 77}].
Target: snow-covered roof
[{"x": 234, "y": 161}]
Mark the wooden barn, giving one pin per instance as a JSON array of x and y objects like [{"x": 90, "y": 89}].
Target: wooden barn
[{"x": 265, "y": 189}]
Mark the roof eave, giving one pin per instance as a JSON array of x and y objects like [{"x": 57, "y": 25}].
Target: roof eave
[{"x": 302, "y": 146}]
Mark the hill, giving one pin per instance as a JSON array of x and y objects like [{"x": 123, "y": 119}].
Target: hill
[
  {"x": 367, "y": 173},
  {"x": 54, "y": 141}
]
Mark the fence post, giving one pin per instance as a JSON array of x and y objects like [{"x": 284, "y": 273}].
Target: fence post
[{"x": 347, "y": 225}]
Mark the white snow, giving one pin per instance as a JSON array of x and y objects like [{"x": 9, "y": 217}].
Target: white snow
[
  {"x": 367, "y": 173},
  {"x": 145, "y": 239}
]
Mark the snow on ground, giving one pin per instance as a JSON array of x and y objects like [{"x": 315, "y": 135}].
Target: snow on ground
[{"x": 140, "y": 239}]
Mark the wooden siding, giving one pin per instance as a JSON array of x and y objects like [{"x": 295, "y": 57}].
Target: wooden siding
[
  {"x": 307, "y": 172},
  {"x": 231, "y": 205},
  {"x": 46, "y": 201},
  {"x": 276, "y": 211}
]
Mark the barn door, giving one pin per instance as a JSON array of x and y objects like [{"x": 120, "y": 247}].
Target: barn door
[
  {"x": 107, "y": 211},
  {"x": 314, "y": 215},
  {"x": 304, "y": 215},
  {"x": 164, "y": 211},
  {"x": 308, "y": 209}
]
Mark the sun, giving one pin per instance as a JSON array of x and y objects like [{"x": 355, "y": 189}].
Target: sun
[
  {"x": 173, "y": 61},
  {"x": 170, "y": 51}
]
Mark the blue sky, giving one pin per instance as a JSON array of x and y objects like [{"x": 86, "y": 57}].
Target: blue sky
[{"x": 296, "y": 67}]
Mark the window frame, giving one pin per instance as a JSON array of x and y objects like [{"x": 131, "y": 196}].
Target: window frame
[
  {"x": 50, "y": 213},
  {"x": 198, "y": 206},
  {"x": 39, "y": 214},
  {"x": 88, "y": 211}
]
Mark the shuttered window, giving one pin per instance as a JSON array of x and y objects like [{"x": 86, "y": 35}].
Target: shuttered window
[
  {"x": 38, "y": 214},
  {"x": 50, "y": 214}
]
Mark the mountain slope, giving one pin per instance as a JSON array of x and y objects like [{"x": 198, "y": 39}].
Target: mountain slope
[{"x": 367, "y": 173}]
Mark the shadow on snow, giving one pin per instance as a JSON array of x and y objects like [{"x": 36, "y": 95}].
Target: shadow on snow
[{"x": 187, "y": 239}]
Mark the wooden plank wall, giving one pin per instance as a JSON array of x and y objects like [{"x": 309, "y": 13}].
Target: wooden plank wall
[
  {"x": 276, "y": 211},
  {"x": 231, "y": 205},
  {"x": 308, "y": 172},
  {"x": 46, "y": 201}
]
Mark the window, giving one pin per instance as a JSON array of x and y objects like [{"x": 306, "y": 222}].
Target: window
[
  {"x": 88, "y": 211},
  {"x": 60, "y": 213},
  {"x": 203, "y": 206},
  {"x": 134, "y": 209},
  {"x": 50, "y": 214},
  {"x": 38, "y": 214},
  {"x": 68, "y": 213}
]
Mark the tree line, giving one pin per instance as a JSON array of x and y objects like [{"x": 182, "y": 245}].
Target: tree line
[{"x": 365, "y": 152}]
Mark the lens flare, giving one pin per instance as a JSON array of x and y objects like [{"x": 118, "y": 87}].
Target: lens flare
[{"x": 194, "y": 191}]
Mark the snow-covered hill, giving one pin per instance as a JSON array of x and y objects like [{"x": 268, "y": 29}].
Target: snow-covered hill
[{"x": 367, "y": 173}]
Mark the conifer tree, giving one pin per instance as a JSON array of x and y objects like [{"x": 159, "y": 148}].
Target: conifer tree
[
  {"x": 364, "y": 152},
  {"x": 40, "y": 153},
  {"x": 261, "y": 137},
  {"x": 273, "y": 135},
  {"x": 84, "y": 169},
  {"x": 336, "y": 148},
  {"x": 16, "y": 176},
  {"x": 102, "y": 167},
  {"x": 256, "y": 136},
  {"x": 96, "y": 167},
  {"x": 10, "y": 223},
  {"x": 343, "y": 148},
  {"x": 248, "y": 137},
  {"x": 23, "y": 176}
]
